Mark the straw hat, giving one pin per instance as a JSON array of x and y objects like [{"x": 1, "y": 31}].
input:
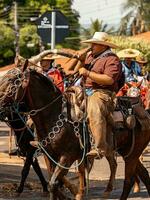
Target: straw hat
[
  {"x": 128, "y": 53},
  {"x": 52, "y": 57},
  {"x": 100, "y": 38},
  {"x": 141, "y": 59}
]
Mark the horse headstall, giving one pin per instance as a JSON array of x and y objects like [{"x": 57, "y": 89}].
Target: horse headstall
[{"x": 13, "y": 86}]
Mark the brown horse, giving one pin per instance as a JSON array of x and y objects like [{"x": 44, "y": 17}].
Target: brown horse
[
  {"x": 50, "y": 89},
  {"x": 45, "y": 112}
]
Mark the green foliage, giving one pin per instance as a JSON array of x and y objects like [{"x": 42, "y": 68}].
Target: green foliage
[
  {"x": 128, "y": 42},
  {"x": 7, "y": 44},
  {"x": 137, "y": 17},
  {"x": 96, "y": 25},
  {"x": 28, "y": 34},
  {"x": 29, "y": 41}
]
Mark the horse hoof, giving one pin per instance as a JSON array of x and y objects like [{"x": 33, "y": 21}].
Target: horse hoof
[
  {"x": 79, "y": 197},
  {"x": 106, "y": 194}
]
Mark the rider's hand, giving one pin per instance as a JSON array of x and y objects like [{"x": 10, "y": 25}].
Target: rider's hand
[{"x": 84, "y": 72}]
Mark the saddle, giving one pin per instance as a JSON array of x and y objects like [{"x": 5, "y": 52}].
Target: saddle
[
  {"x": 75, "y": 96},
  {"x": 128, "y": 110}
]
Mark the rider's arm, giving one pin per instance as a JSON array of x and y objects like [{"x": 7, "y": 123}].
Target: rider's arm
[{"x": 102, "y": 79}]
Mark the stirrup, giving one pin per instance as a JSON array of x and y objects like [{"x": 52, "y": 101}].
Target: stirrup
[{"x": 96, "y": 153}]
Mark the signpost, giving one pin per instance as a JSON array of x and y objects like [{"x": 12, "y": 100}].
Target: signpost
[{"x": 52, "y": 27}]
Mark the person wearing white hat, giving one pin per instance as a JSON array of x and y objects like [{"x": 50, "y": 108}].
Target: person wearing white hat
[
  {"x": 102, "y": 72},
  {"x": 131, "y": 67}
]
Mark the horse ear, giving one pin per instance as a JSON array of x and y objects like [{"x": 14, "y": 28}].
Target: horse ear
[
  {"x": 128, "y": 84},
  {"x": 139, "y": 84},
  {"x": 25, "y": 65}
]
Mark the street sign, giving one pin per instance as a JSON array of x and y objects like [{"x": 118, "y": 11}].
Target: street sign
[{"x": 45, "y": 26}]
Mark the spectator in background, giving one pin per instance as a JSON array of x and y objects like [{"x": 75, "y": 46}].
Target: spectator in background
[
  {"x": 130, "y": 66},
  {"x": 50, "y": 70},
  {"x": 141, "y": 60}
]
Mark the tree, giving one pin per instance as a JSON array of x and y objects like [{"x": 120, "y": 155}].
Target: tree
[
  {"x": 34, "y": 8},
  {"x": 137, "y": 18},
  {"x": 29, "y": 41},
  {"x": 95, "y": 26},
  {"x": 7, "y": 38},
  {"x": 40, "y": 6}
]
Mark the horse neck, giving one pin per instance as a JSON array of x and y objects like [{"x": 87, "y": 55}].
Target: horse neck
[{"x": 47, "y": 101}]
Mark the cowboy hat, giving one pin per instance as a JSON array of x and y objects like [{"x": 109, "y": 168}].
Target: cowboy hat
[
  {"x": 128, "y": 53},
  {"x": 53, "y": 57},
  {"x": 141, "y": 59},
  {"x": 101, "y": 38}
]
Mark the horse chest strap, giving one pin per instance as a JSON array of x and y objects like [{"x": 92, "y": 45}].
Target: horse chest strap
[{"x": 64, "y": 108}]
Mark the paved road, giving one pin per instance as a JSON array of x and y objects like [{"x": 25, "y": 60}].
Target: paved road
[{"x": 10, "y": 170}]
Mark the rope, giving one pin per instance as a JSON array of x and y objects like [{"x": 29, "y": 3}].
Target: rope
[{"x": 57, "y": 163}]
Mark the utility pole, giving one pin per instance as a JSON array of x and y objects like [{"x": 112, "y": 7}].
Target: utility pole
[
  {"x": 16, "y": 28},
  {"x": 53, "y": 23}
]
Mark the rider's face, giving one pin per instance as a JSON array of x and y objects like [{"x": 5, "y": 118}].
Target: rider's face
[
  {"x": 45, "y": 64},
  {"x": 97, "y": 48},
  {"x": 128, "y": 61}
]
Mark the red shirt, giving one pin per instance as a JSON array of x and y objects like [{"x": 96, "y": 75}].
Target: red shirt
[
  {"x": 109, "y": 65},
  {"x": 55, "y": 75}
]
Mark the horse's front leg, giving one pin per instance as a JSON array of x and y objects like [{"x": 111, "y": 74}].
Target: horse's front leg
[
  {"x": 144, "y": 175},
  {"x": 81, "y": 174},
  {"x": 66, "y": 182},
  {"x": 39, "y": 173},
  {"x": 113, "y": 167},
  {"x": 24, "y": 173},
  {"x": 57, "y": 178},
  {"x": 130, "y": 171}
]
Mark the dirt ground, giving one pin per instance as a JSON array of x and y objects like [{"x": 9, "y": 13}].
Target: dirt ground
[{"x": 10, "y": 171}]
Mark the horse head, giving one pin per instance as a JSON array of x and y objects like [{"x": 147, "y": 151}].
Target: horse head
[{"x": 134, "y": 89}]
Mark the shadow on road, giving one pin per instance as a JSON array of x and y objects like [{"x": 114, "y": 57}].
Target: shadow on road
[{"x": 10, "y": 177}]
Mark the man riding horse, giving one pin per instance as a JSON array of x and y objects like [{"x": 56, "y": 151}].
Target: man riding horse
[{"x": 102, "y": 72}]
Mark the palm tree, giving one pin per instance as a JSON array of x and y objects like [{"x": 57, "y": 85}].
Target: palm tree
[
  {"x": 136, "y": 18},
  {"x": 95, "y": 26}
]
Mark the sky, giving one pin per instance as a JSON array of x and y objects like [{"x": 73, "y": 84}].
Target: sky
[{"x": 110, "y": 11}]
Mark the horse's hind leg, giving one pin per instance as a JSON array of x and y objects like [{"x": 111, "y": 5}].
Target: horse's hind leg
[
  {"x": 144, "y": 175},
  {"x": 113, "y": 167},
  {"x": 39, "y": 173}
]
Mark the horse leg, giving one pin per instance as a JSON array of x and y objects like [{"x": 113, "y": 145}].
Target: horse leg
[
  {"x": 56, "y": 179},
  {"x": 39, "y": 173},
  {"x": 50, "y": 168},
  {"x": 24, "y": 173},
  {"x": 49, "y": 165},
  {"x": 144, "y": 175},
  {"x": 81, "y": 174},
  {"x": 130, "y": 167},
  {"x": 113, "y": 167},
  {"x": 136, "y": 187}
]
